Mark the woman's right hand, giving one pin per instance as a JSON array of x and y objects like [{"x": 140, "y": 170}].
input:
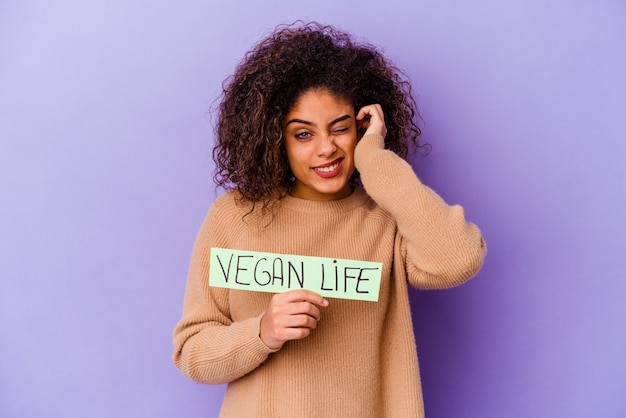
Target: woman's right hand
[
  {"x": 371, "y": 120},
  {"x": 290, "y": 316}
]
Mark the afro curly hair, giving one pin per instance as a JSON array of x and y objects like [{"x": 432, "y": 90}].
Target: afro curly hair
[{"x": 250, "y": 153}]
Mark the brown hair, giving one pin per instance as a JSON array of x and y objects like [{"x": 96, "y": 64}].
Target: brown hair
[{"x": 250, "y": 153}]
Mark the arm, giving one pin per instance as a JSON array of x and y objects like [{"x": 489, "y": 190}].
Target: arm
[
  {"x": 208, "y": 346},
  {"x": 442, "y": 248}
]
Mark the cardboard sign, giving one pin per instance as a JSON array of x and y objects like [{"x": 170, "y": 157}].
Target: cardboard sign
[{"x": 277, "y": 273}]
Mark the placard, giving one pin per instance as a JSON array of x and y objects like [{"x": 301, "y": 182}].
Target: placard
[{"x": 277, "y": 273}]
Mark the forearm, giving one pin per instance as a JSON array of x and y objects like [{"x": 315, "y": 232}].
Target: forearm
[{"x": 217, "y": 353}]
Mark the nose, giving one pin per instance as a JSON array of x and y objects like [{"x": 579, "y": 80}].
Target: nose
[{"x": 326, "y": 146}]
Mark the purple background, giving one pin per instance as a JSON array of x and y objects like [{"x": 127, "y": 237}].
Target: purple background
[{"x": 106, "y": 175}]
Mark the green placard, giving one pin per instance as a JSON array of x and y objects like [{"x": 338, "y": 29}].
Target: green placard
[{"x": 277, "y": 273}]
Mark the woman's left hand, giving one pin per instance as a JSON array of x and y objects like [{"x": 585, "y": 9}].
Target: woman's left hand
[{"x": 371, "y": 120}]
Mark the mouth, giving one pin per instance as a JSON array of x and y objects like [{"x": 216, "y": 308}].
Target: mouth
[{"x": 329, "y": 170}]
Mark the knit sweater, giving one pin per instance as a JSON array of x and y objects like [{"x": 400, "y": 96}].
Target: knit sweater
[{"x": 361, "y": 359}]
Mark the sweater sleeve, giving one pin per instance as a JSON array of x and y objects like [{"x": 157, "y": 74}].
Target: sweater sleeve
[
  {"x": 442, "y": 249},
  {"x": 208, "y": 346}
]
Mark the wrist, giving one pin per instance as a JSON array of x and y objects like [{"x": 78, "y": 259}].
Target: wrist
[
  {"x": 374, "y": 140},
  {"x": 271, "y": 343}
]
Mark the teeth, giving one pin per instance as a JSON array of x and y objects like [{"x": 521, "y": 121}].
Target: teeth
[{"x": 328, "y": 169}]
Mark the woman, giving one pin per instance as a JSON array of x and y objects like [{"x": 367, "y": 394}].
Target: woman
[{"x": 312, "y": 134}]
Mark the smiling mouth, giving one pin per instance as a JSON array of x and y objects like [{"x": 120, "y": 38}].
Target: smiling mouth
[{"x": 330, "y": 167}]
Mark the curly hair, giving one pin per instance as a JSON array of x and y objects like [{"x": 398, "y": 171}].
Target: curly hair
[{"x": 250, "y": 153}]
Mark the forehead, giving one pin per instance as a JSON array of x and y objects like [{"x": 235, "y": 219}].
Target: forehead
[{"x": 320, "y": 102}]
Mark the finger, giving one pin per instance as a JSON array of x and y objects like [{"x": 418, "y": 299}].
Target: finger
[
  {"x": 275, "y": 322},
  {"x": 302, "y": 295},
  {"x": 288, "y": 334},
  {"x": 295, "y": 308},
  {"x": 276, "y": 337},
  {"x": 371, "y": 119},
  {"x": 300, "y": 321},
  {"x": 363, "y": 123},
  {"x": 363, "y": 112},
  {"x": 305, "y": 308},
  {"x": 370, "y": 110}
]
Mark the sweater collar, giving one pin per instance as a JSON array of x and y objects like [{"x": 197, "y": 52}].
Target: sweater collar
[{"x": 356, "y": 199}]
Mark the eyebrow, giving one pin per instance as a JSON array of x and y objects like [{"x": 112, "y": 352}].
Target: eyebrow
[{"x": 305, "y": 122}]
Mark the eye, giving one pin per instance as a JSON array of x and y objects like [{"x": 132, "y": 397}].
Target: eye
[
  {"x": 339, "y": 131},
  {"x": 303, "y": 135}
]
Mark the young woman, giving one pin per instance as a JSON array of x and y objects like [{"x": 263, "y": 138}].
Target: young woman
[{"x": 312, "y": 137}]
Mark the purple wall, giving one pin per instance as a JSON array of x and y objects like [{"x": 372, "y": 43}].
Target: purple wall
[{"x": 105, "y": 177}]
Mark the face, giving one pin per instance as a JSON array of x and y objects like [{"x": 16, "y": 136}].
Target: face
[{"x": 320, "y": 136}]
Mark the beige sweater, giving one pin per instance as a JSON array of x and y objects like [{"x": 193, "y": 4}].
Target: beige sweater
[{"x": 361, "y": 359}]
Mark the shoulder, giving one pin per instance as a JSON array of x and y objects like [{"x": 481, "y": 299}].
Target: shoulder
[
  {"x": 231, "y": 211},
  {"x": 221, "y": 213},
  {"x": 225, "y": 201},
  {"x": 229, "y": 204},
  {"x": 373, "y": 210}
]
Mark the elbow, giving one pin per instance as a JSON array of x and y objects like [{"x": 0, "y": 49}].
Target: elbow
[
  {"x": 467, "y": 264},
  {"x": 191, "y": 357},
  {"x": 452, "y": 270},
  {"x": 198, "y": 372}
]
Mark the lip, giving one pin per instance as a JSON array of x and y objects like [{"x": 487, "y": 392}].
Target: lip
[{"x": 332, "y": 173}]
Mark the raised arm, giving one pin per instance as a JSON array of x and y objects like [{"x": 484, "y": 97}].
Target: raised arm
[{"x": 442, "y": 248}]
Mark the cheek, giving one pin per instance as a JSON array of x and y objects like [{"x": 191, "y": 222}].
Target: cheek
[
  {"x": 348, "y": 143},
  {"x": 296, "y": 154}
]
